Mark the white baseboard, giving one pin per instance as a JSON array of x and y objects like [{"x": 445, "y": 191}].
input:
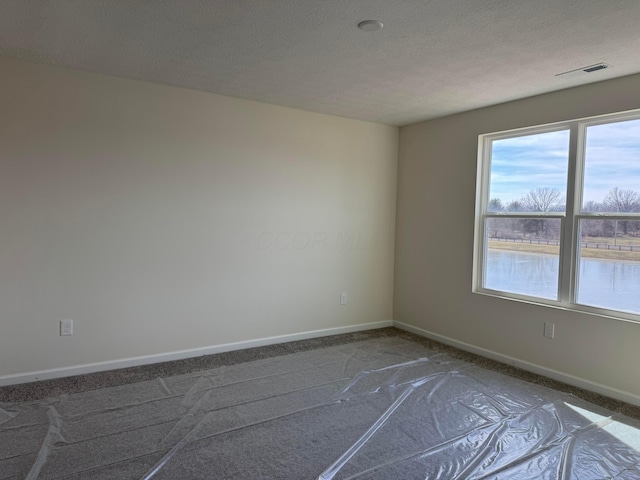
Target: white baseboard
[
  {"x": 531, "y": 367},
  {"x": 182, "y": 354},
  {"x": 227, "y": 347}
]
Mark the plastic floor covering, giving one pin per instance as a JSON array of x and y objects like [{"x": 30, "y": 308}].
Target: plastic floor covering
[{"x": 380, "y": 409}]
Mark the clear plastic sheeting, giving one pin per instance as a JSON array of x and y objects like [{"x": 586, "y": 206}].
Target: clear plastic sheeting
[{"x": 380, "y": 409}]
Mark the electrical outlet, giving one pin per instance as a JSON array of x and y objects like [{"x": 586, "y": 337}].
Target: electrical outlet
[
  {"x": 66, "y": 328},
  {"x": 343, "y": 298},
  {"x": 549, "y": 329}
]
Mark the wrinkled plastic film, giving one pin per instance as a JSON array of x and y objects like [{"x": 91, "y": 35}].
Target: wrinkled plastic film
[
  {"x": 425, "y": 438},
  {"x": 385, "y": 408},
  {"x": 134, "y": 425}
]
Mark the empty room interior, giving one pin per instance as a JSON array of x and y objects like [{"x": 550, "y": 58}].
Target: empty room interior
[{"x": 307, "y": 239}]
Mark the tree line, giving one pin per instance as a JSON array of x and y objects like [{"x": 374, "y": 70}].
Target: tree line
[{"x": 545, "y": 199}]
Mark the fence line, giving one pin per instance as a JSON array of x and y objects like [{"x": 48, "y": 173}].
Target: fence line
[{"x": 599, "y": 246}]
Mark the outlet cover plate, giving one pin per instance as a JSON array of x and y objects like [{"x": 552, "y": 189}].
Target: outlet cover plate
[
  {"x": 549, "y": 329},
  {"x": 66, "y": 328}
]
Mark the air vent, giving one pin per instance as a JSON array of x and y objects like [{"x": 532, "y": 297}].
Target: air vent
[{"x": 583, "y": 71}]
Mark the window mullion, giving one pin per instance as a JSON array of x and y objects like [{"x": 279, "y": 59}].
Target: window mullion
[{"x": 569, "y": 225}]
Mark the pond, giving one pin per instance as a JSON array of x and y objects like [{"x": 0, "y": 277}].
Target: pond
[{"x": 611, "y": 284}]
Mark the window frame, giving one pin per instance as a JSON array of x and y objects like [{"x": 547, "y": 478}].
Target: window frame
[{"x": 569, "y": 248}]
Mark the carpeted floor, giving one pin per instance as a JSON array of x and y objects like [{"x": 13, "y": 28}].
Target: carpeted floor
[
  {"x": 83, "y": 383},
  {"x": 381, "y": 404}
]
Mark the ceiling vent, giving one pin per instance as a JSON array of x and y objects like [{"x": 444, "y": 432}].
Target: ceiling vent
[{"x": 583, "y": 71}]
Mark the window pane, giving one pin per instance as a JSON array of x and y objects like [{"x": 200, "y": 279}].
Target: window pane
[
  {"x": 529, "y": 173},
  {"x": 609, "y": 273},
  {"x": 522, "y": 256},
  {"x": 612, "y": 168}
]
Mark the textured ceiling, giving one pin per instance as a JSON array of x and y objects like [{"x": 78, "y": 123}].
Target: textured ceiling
[{"x": 433, "y": 57}]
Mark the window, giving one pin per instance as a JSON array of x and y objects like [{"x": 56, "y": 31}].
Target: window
[{"x": 558, "y": 215}]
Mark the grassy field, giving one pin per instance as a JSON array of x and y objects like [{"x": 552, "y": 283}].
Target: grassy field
[{"x": 585, "y": 252}]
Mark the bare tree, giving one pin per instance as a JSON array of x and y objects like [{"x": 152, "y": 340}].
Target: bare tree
[
  {"x": 495, "y": 205},
  {"x": 516, "y": 206},
  {"x": 621, "y": 200},
  {"x": 592, "y": 206},
  {"x": 592, "y": 228},
  {"x": 543, "y": 199}
]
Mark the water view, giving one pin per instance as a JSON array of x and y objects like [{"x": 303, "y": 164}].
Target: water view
[{"x": 602, "y": 283}]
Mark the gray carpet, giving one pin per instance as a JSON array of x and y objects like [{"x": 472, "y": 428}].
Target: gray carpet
[
  {"x": 83, "y": 383},
  {"x": 372, "y": 405}
]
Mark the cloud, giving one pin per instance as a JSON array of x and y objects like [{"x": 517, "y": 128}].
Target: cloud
[
  {"x": 521, "y": 164},
  {"x": 612, "y": 159}
]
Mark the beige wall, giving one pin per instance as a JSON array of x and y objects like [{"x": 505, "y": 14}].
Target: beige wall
[
  {"x": 162, "y": 219},
  {"x": 434, "y": 244}
]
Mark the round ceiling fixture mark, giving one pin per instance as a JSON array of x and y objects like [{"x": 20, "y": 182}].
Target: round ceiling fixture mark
[{"x": 370, "y": 25}]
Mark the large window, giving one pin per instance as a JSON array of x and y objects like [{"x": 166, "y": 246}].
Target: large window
[{"x": 558, "y": 215}]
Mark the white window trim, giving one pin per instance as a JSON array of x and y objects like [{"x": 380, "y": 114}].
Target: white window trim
[{"x": 568, "y": 260}]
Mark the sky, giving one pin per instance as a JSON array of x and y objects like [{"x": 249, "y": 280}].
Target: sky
[{"x": 521, "y": 164}]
